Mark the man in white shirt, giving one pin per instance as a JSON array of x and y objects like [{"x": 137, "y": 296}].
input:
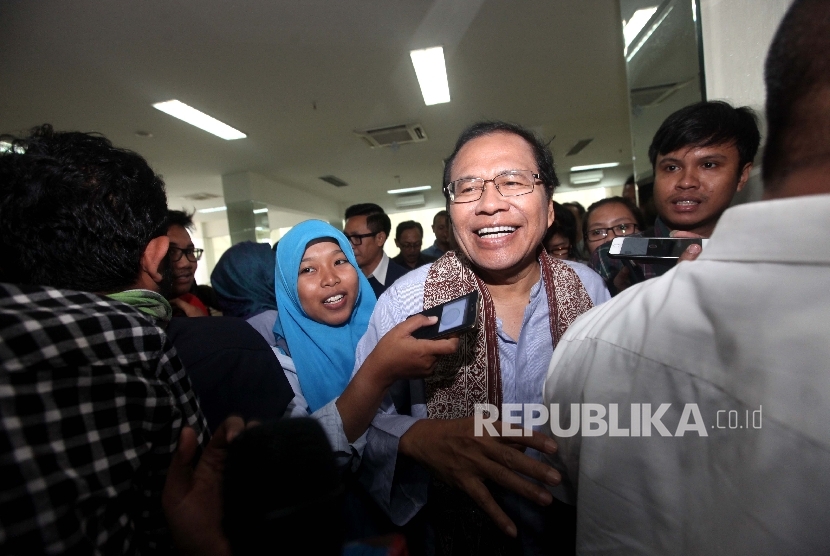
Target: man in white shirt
[
  {"x": 367, "y": 228},
  {"x": 708, "y": 430}
]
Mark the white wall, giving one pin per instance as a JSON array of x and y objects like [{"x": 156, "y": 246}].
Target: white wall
[{"x": 736, "y": 37}]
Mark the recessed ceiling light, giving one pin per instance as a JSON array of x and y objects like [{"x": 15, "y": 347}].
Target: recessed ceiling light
[
  {"x": 213, "y": 209},
  {"x": 432, "y": 74},
  {"x": 594, "y": 166},
  {"x": 199, "y": 119},
  {"x": 144, "y": 134},
  {"x": 409, "y": 189}
]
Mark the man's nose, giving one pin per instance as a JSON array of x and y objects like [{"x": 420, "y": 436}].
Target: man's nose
[
  {"x": 688, "y": 178},
  {"x": 491, "y": 200}
]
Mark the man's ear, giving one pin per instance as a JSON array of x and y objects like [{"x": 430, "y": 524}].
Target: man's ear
[
  {"x": 153, "y": 254},
  {"x": 550, "y": 213},
  {"x": 380, "y": 239},
  {"x": 744, "y": 176}
]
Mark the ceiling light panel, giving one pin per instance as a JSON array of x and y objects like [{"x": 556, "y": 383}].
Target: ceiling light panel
[
  {"x": 595, "y": 166},
  {"x": 194, "y": 117},
  {"x": 409, "y": 189},
  {"x": 432, "y": 74}
]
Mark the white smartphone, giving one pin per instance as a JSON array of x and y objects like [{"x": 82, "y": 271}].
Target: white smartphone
[{"x": 660, "y": 248}]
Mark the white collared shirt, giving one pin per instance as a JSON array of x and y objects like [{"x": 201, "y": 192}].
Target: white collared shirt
[
  {"x": 741, "y": 334},
  {"x": 380, "y": 270}
]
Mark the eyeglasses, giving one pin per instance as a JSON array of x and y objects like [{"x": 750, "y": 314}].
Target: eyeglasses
[
  {"x": 193, "y": 254},
  {"x": 410, "y": 246},
  {"x": 357, "y": 239},
  {"x": 620, "y": 230},
  {"x": 508, "y": 184}
]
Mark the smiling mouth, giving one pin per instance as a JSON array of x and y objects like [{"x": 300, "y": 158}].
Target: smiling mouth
[
  {"x": 686, "y": 203},
  {"x": 496, "y": 232},
  {"x": 333, "y": 299}
]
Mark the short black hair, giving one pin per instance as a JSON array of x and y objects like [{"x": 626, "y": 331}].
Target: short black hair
[
  {"x": 76, "y": 212},
  {"x": 442, "y": 214},
  {"x": 281, "y": 484},
  {"x": 363, "y": 209},
  {"x": 376, "y": 218},
  {"x": 797, "y": 77},
  {"x": 408, "y": 225},
  {"x": 628, "y": 203},
  {"x": 708, "y": 123},
  {"x": 180, "y": 218},
  {"x": 541, "y": 151},
  {"x": 564, "y": 222}
]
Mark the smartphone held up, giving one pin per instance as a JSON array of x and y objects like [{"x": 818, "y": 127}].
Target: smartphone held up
[
  {"x": 454, "y": 316},
  {"x": 652, "y": 248}
]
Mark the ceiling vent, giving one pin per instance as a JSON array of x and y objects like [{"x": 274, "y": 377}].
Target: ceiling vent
[
  {"x": 334, "y": 180},
  {"x": 585, "y": 177},
  {"x": 201, "y": 196},
  {"x": 394, "y": 135},
  {"x": 654, "y": 95},
  {"x": 409, "y": 201},
  {"x": 581, "y": 144}
]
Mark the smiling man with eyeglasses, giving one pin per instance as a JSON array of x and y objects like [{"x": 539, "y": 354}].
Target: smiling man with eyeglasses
[
  {"x": 183, "y": 258},
  {"x": 483, "y": 492}
]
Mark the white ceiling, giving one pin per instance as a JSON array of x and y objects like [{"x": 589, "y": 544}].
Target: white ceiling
[{"x": 300, "y": 76}]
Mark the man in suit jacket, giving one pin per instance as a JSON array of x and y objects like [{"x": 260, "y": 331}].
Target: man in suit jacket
[{"x": 367, "y": 227}]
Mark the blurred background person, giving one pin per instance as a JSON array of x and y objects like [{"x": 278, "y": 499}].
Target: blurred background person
[{"x": 184, "y": 259}]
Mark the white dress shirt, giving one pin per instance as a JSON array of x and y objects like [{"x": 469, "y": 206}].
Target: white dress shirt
[{"x": 743, "y": 329}]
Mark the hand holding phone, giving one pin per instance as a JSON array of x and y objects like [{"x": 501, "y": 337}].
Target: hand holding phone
[
  {"x": 651, "y": 248},
  {"x": 454, "y": 316}
]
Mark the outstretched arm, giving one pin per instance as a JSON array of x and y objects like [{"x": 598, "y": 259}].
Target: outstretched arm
[{"x": 397, "y": 356}]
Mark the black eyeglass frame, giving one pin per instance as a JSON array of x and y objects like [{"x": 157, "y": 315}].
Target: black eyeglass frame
[
  {"x": 612, "y": 229},
  {"x": 193, "y": 254},
  {"x": 448, "y": 189},
  {"x": 360, "y": 237}
]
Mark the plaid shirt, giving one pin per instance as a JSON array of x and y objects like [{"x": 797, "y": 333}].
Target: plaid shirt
[
  {"x": 608, "y": 268},
  {"x": 92, "y": 400}
]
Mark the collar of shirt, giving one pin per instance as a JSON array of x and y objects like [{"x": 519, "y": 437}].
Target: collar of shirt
[
  {"x": 773, "y": 231},
  {"x": 379, "y": 273}
]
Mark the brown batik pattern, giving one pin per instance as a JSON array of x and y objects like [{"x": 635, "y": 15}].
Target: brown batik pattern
[{"x": 472, "y": 375}]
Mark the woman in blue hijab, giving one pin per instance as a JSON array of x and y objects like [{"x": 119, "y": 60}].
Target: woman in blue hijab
[{"x": 324, "y": 303}]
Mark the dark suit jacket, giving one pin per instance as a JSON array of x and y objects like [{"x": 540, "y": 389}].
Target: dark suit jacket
[
  {"x": 231, "y": 367},
  {"x": 393, "y": 272}
]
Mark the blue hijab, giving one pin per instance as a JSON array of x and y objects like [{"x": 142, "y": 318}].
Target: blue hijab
[
  {"x": 323, "y": 355},
  {"x": 243, "y": 280}
]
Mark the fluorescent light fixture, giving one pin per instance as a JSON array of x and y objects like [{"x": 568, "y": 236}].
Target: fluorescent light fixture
[
  {"x": 634, "y": 25},
  {"x": 432, "y": 74},
  {"x": 213, "y": 209},
  {"x": 409, "y": 189},
  {"x": 594, "y": 166},
  {"x": 260, "y": 211},
  {"x": 199, "y": 119},
  {"x": 591, "y": 176},
  {"x": 647, "y": 35}
]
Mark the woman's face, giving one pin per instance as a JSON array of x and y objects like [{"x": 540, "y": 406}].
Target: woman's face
[
  {"x": 608, "y": 216},
  {"x": 559, "y": 246},
  {"x": 327, "y": 283}
]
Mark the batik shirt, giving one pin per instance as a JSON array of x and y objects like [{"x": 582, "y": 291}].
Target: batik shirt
[{"x": 92, "y": 401}]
